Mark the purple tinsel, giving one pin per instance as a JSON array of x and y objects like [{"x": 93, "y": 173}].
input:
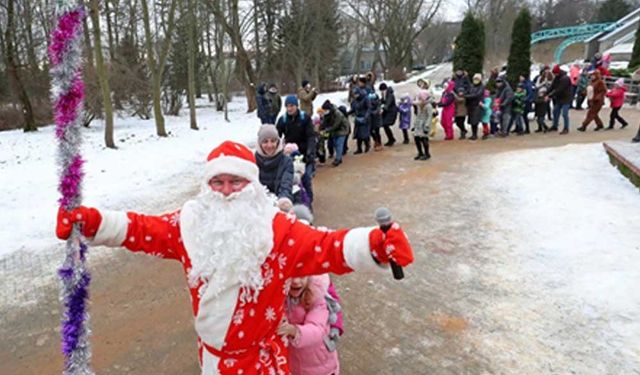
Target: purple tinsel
[
  {"x": 68, "y": 26},
  {"x": 70, "y": 181},
  {"x": 75, "y": 314}
]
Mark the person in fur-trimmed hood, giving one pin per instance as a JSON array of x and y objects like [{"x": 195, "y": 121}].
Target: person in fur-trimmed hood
[{"x": 239, "y": 254}]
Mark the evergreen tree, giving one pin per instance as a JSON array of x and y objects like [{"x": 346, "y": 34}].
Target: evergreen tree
[
  {"x": 519, "y": 62},
  {"x": 469, "y": 46},
  {"x": 635, "y": 54},
  {"x": 477, "y": 61},
  {"x": 613, "y": 10},
  {"x": 177, "y": 77}
]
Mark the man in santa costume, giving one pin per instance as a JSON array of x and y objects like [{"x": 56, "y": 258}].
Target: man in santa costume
[{"x": 239, "y": 254}]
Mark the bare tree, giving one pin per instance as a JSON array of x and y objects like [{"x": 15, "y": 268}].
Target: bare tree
[
  {"x": 157, "y": 66},
  {"x": 226, "y": 13},
  {"x": 101, "y": 72},
  {"x": 12, "y": 70},
  {"x": 395, "y": 25},
  {"x": 191, "y": 70}
]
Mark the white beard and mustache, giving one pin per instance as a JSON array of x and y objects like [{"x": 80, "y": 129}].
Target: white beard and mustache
[{"x": 228, "y": 239}]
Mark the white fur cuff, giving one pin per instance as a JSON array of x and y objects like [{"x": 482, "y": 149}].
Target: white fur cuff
[
  {"x": 113, "y": 228},
  {"x": 357, "y": 251}
]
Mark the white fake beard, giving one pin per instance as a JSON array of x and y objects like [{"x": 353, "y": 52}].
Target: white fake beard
[{"x": 234, "y": 235}]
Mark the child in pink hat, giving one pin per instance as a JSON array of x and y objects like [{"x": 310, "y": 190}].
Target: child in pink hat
[{"x": 616, "y": 95}]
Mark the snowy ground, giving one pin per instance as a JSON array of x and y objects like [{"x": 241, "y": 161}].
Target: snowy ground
[{"x": 566, "y": 260}]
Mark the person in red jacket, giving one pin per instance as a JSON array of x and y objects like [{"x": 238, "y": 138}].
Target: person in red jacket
[
  {"x": 616, "y": 95},
  {"x": 239, "y": 254}
]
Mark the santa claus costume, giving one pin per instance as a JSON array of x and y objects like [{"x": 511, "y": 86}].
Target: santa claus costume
[{"x": 239, "y": 254}]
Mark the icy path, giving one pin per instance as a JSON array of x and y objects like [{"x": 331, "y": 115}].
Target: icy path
[{"x": 565, "y": 262}]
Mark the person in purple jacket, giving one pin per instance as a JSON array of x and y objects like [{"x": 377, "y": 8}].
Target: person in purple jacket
[{"x": 405, "y": 116}]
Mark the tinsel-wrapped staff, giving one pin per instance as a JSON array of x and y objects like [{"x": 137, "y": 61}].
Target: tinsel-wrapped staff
[{"x": 65, "y": 54}]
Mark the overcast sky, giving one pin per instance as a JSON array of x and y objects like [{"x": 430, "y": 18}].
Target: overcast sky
[{"x": 453, "y": 10}]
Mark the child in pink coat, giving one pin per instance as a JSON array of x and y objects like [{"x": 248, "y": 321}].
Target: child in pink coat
[
  {"x": 307, "y": 326},
  {"x": 616, "y": 95},
  {"x": 448, "y": 105}
]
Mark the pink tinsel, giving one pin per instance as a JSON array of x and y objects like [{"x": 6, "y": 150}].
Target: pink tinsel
[
  {"x": 68, "y": 26},
  {"x": 70, "y": 182},
  {"x": 67, "y": 105}
]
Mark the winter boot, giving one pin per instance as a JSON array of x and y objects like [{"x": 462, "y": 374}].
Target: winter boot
[
  {"x": 405, "y": 135},
  {"x": 474, "y": 133},
  {"x": 582, "y": 128},
  {"x": 359, "y": 142},
  {"x": 598, "y": 128},
  {"x": 367, "y": 146},
  {"x": 425, "y": 145},
  {"x": 418, "y": 142},
  {"x": 636, "y": 139}
]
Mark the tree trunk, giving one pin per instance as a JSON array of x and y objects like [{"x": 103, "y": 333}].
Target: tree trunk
[
  {"x": 87, "y": 41},
  {"x": 31, "y": 49},
  {"x": 244, "y": 71},
  {"x": 256, "y": 35},
  {"x": 191, "y": 68},
  {"x": 12, "y": 71},
  {"x": 107, "y": 13},
  {"x": 157, "y": 69},
  {"x": 101, "y": 72}
]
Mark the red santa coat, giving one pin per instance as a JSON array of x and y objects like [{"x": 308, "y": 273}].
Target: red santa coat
[{"x": 238, "y": 337}]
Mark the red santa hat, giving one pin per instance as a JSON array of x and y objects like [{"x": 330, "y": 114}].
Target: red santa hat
[{"x": 231, "y": 158}]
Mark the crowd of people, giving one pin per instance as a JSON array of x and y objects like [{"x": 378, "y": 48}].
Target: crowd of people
[{"x": 493, "y": 107}]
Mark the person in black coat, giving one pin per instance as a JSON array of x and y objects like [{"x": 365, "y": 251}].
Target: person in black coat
[
  {"x": 389, "y": 112},
  {"x": 264, "y": 105},
  {"x": 560, "y": 93},
  {"x": 461, "y": 81},
  {"x": 474, "y": 95},
  {"x": 362, "y": 128},
  {"x": 296, "y": 127},
  {"x": 276, "y": 168}
]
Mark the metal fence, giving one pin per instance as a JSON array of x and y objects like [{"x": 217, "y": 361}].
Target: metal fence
[{"x": 633, "y": 88}]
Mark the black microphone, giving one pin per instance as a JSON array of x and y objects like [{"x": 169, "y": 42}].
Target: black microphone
[{"x": 383, "y": 217}]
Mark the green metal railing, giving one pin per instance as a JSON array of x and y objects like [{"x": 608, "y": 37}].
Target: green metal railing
[{"x": 571, "y": 34}]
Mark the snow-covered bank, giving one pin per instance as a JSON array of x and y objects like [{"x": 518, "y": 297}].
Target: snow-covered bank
[{"x": 566, "y": 246}]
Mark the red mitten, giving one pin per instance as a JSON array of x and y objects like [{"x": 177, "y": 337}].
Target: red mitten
[
  {"x": 88, "y": 217},
  {"x": 393, "y": 245}
]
